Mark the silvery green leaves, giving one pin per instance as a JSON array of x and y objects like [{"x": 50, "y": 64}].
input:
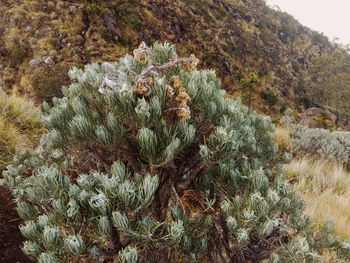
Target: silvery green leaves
[
  {"x": 164, "y": 52},
  {"x": 48, "y": 258},
  {"x": 99, "y": 203},
  {"x": 160, "y": 146},
  {"x": 209, "y": 83},
  {"x": 31, "y": 230},
  {"x": 104, "y": 225},
  {"x": 154, "y": 150},
  {"x": 46, "y": 184},
  {"x": 144, "y": 229},
  {"x": 95, "y": 195},
  {"x": 299, "y": 247},
  {"x": 142, "y": 111},
  {"x": 149, "y": 187},
  {"x": 321, "y": 143},
  {"x": 31, "y": 249},
  {"x": 176, "y": 231},
  {"x": 222, "y": 145},
  {"x": 26, "y": 211},
  {"x": 87, "y": 78},
  {"x": 129, "y": 255},
  {"x": 119, "y": 172},
  {"x": 52, "y": 238},
  {"x": 231, "y": 223},
  {"x": 74, "y": 245},
  {"x": 127, "y": 192},
  {"x": 122, "y": 223}
]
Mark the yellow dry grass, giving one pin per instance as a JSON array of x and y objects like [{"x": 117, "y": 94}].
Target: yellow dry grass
[
  {"x": 325, "y": 187},
  {"x": 282, "y": 137},
  {"x": 20, "y": 126},
  {"x": 20, "y": 111}
]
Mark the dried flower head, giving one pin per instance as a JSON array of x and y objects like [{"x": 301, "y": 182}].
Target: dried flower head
[
  {"x": 183, "y": 97},
  {"x": 142, "y": 53},
  {"x": 169, "y": 92},
  {"x": 192, "y": 63},
  {"x": 184, "y": 112},
  {"x": 176, "y": 83},
  {"x": 143, "y": 86},
  {"x": 150, "y": 81}
]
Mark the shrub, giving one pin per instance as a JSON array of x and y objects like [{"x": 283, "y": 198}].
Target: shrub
[
  {"x": 249, "y": 85},
  {"x": 320, "y": 143},
  {"x": 148, "y": 160},
  {"x": 288, "y": 119},
  {"x": 18, "y": 52},
  {"x": 47, "y": 81},
  {"x": 269, "y": 98}
]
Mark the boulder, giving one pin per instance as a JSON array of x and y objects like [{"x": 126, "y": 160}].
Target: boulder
[
  {"x": 48, "y": 60},
  {"x": 35, "y": 62}
]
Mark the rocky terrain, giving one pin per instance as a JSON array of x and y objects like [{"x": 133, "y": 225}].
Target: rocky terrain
[{"x": 41, "y": 40}]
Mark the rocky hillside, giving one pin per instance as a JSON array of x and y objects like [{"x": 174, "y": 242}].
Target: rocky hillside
[{"x": 41, "y": 40}]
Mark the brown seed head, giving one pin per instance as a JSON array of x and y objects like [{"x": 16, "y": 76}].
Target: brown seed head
[
  {"x": 141, "y": 53},
  {"x": 169, "y": 92},
  {"x": 141, "y": 87},
  {"x": 191, "y": 64},
  {"x": 183, "y": 97}
]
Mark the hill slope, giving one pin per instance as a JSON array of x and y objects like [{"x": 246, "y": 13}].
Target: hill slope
[{"x": 40, "y": 40}]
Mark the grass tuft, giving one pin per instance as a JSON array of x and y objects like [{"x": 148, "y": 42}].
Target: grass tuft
[
  {"x": 20, "y": 126},
  {"x": 282, "y": 137},
  {"x": 325, "y": 186}
]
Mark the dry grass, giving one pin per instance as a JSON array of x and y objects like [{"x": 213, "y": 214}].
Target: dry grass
[
  {"x": 20, "y": 111},
  {"x": 329, "y": 206},
  {"x": 282, "y": 137},
  {"x": 9, "y": 139},
  {"x": 325, "y": 186},
  {"x": 20, "y": 126}
]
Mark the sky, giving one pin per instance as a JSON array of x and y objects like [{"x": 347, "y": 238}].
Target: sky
[{"x": 331, "y": 17}]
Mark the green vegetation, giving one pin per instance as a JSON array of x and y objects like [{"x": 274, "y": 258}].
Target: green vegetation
[
  {"x": 114, "y": 172},
  {"x": 159, "y": 165},
  {"x": 128, "y": 13},
  {"x": 321, "y": 143},
  {"x": 328, "y": 83},
  {"x": 249, "y": 85}
]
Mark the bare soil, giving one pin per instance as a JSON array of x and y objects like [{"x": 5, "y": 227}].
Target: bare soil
[{"x": 10, "y": 236}]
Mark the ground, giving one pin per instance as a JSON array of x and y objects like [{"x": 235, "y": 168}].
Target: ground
[{"x": 10, "y": 236}]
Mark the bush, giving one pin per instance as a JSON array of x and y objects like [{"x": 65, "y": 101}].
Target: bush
[
  {"x": 18, "y": 52},
  {"x": 269, "y": 98},
  {"x": 288, "y": 119},
  {"x": 148, "y": 160},
  {"x": 47, "y": 81},
  {"x": 321, "y": 143}
]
